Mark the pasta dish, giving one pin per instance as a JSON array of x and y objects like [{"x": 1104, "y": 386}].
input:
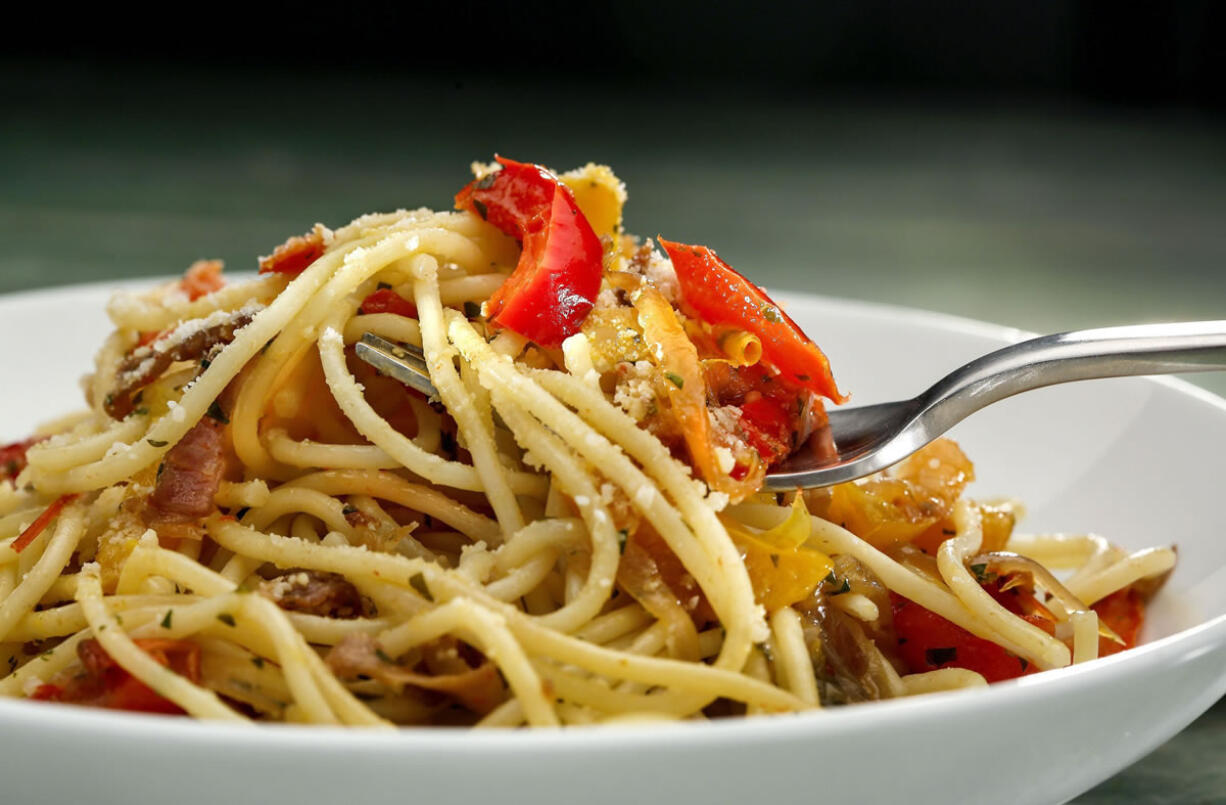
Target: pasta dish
[{"x": 249, "y": 523}]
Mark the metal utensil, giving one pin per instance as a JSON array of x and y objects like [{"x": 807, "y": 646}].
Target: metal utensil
[
  {"x": 873, "y": 437},
  {"x": 405, "y": 362}
]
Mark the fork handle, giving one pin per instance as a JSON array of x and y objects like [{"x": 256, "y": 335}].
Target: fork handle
[{"x": 1143, "y": 349}]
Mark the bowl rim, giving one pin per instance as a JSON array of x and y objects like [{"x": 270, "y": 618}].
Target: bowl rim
[{"x": 1151, "y": 657}]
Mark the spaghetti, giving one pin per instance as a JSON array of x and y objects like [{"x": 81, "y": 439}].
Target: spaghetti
[{"x": 249, "y": 524}]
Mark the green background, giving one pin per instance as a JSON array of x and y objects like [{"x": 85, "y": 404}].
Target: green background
[{"x": 1040, "y": 216}]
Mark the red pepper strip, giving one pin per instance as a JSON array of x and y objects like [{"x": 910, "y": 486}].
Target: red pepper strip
[
  {"x": 106, "y": 684},
  {"x": 926, "y": 642},
  {"x": 294, "y": 255},
  {"x": 13, "y": 457},
  {"x": 147, "y": 337},
  {"x": 767, "y": 428},
  {"x": 385, "y": 300},
  {"x": 41, "y": 522},
  {"x": 202, "y": 278},
  {"x": 47, "y": 692},
  {"x": 555, "y": 284},
  {"x": 511, "y": 197},
  {"x": 721, "y": 296},
  {"x": 1124, "y": 612}
]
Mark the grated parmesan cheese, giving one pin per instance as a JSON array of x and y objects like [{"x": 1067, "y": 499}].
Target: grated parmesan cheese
[
  {"x": 644, "y": 496},
  {"x": 635, "y": 391},
  {"x": 660, "y": 272}
]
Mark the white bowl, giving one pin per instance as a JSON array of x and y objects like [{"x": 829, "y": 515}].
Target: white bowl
[{"x": 1137, "y": 460}]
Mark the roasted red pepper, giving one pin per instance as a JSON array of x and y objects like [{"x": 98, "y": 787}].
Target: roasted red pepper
[
  {"x": 1124, "y": 612},
  {"x": 105, "y": 684},
  {"x": 41, "y": 522},
  {"x": 768, "y": 428},
  {"x": 511, "y": 197},
  {"x": 385, "y": 300},
  {"x": 202, "y": 278},
  {"x": 294, "y": 255},
  {"x": 149, "y": 336},
  {"x": 926, "y": 641},
  {"x": 555, "y": 284},
  {"x": 13, "y": 457},
  {"x": 717, "y": 294}
]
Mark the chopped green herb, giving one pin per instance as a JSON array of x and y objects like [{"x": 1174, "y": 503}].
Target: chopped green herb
[
  {"x": 771, "y": 314},
  {"x": 832, "y": 580},
  {"x": 205, "y": 363},
  {"x": 775, "y": 559},
  {"x": 226, "y": 618},
  {"x": 383, "y": 286},
  {"x": 156, "y": 443},
  {"x": 108, "y": 400},
  {"x": 258, "y": 662},
  {"x": 447, "y": 443},
  {"x": 166, "y": 620},
  {"x": 482, "y": 210},
  {"x": 141, "y": 411},
  {"x": 487, "y": 181},
  {"x": 941, "y": 656},
  {"x": 242, "y": 512},
  {"x": 12, "y": 662},
  {"x": 980, "y": 571},
  {"x": 216, "y": 413},
  {"x": 676, "y": 379},
  {"x": 349, "y": 509},
  {"x": 622, "y": 536},
  {"x": 119, "y": 619},
  {"x": 472, "y": 310},
  {"x": 382, "y": 655},
  {"x": 418, "y": 583}
]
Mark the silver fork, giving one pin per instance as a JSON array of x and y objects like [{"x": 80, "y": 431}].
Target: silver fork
[{"x": 873, "y": 437}]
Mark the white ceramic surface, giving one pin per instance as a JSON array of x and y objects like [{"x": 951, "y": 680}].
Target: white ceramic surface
[{"x": 1137, "y": 460}]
